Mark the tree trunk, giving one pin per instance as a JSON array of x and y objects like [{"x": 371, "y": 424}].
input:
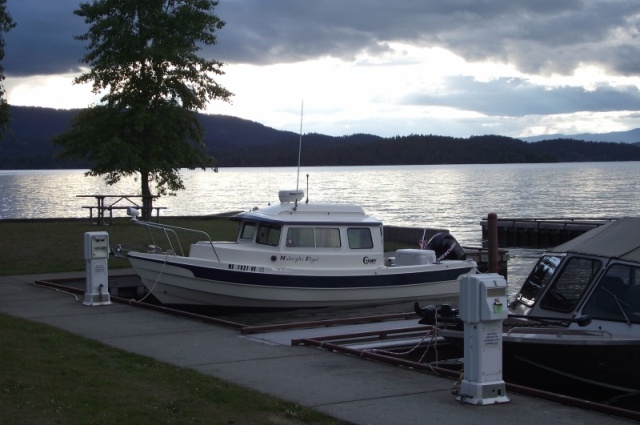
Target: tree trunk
[{"x": 147, "y": 198}]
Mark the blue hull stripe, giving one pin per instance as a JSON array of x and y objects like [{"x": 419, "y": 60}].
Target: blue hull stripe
[{"x": 315, "y": 281}]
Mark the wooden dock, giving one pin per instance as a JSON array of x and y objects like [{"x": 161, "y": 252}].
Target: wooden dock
[{"x": 541, "y": 232}]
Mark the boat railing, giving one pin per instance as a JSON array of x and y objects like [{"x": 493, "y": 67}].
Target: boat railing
[
  {"x": 169, "y": 230},
  {"x": 559, "y": 332}
]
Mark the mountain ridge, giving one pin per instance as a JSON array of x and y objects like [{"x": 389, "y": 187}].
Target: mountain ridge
[
  {"x": 237, "y": 142},
  {"x": 628, "y": 136}
]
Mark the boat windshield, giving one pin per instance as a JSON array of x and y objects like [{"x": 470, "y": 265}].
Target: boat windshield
[
  {"x": 617, "y": 296},
  {"x": 247, "y": 230},
  {"x": 268, "y": 234},
  {"x": 538, "y": 279},
  {"x": 567, "y": 289}
]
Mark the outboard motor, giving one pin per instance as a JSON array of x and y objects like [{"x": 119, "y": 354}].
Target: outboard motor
[
  {"x": 446, "y": 247},
  {"x": 443, "y": 314}
]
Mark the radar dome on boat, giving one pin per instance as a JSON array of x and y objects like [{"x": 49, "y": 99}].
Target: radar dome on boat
[{"x": 290, "y": 195}]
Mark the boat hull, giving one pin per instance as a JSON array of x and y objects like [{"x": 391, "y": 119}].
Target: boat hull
[
  {"x": 610, "y": 366},
  {"x": 576, "y": 362},
  {"x": 179, "y": 280}
]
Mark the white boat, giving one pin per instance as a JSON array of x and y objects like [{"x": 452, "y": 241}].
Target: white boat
[{"x": 295, "y": 255}]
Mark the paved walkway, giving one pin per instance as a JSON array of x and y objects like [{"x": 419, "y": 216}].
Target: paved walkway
[{"x": 348, "y": 388}]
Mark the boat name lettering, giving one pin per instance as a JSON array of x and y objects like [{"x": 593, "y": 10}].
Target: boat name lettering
[
  {"x": 368, "y": 260},
  {"x": 299, "y": 258},
  {"x": 243, "y": 268}
]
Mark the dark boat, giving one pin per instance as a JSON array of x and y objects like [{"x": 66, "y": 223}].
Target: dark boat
[{"x": 576, "y": 321}]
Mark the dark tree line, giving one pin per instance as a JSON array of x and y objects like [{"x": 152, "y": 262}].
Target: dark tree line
[{"x": 359, "y": 150}]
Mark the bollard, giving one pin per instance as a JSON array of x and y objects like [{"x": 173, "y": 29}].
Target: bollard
[
  {"x": 96, "y": 255},
  {"x": 483, "y": 307}
]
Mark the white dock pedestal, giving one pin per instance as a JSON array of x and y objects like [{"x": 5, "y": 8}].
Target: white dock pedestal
[
  {"x": 483, "y": 307},
  {"x": 96, "y": 256}
]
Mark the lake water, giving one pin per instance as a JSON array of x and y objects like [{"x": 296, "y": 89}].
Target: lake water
[{"x": 454, "y": 197}]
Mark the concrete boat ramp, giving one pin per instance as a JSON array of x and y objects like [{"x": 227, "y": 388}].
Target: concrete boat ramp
[{"x": 346, "y": 387}]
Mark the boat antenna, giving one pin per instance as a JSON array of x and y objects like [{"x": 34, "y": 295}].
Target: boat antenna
[
  {"x": 299, "y": 151},
  {"x": 307, "y": 201}
]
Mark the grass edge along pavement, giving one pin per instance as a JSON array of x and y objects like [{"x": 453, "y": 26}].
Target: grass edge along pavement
[{"x": 50, "y": 376}]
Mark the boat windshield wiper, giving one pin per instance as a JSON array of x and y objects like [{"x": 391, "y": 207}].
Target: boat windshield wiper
[{"x": 619, "y": 303}]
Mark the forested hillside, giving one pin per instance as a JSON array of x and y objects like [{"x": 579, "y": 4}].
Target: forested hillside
[
  {"x": 240, "y": 143},
  {"x": 571, "y": 150}
]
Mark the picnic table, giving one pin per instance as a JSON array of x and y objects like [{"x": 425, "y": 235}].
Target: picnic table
[{"x": 108, "y": 203}]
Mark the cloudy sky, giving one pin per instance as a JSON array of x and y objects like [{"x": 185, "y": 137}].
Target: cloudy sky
[{"x": 449, "y": 67}]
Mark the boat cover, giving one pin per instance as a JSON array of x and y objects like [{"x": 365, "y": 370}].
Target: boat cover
[{"x": 616, "y": 239}]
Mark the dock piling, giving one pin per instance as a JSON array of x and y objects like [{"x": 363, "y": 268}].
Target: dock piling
[{"x": 492, "y": 220}]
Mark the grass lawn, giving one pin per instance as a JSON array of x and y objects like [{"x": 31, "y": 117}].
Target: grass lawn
[
  {"x": 42, "y": 246},
  {"x": 48, "y": 376}
]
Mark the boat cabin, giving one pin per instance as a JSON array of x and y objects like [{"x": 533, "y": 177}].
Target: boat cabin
[
  {"x": 308, "y": 235},
  {"x": 299, "y": 234},
  {"x": 596, "y": 274}
]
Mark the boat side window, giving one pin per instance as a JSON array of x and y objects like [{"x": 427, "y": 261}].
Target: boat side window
[
  {"x": 567, "y": 289},
  {"x": 538, "y": 279},
  {"x": 617, "y": 296},
  {"x": 247, "y": 231},
  {"x": 300, "y": 237},
  {"x": 268, "y": 234},
  {"x": 309, "y": 237},
  {"x": 359, "y": 238},
  {"x": 327, "y": 237}
]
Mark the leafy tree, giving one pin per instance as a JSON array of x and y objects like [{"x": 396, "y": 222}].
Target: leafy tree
[
  {"x": 143, "y": 59},
  {"x": 6, "y": 23}
]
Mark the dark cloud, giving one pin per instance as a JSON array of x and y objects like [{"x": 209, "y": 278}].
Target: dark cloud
[
  {"x": 513, "y": 97},
  {"x": 42, "y": 41},
  {"x": 537, "y": 36}
]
